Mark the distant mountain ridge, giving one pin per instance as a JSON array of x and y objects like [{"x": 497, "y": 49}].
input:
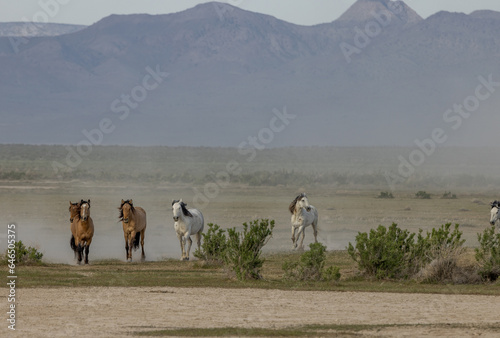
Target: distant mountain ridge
[
  {"x": 30, "y": 29},
  {"x": 228, "y": 73}
]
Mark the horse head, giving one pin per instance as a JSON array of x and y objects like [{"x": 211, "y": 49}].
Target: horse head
[
  {"x": 126, "y": 210},
  {"x": 84, "y": 210},
  {"x": 179, "y": 208},
  {"x": 494, "y": 213},
  {"x": 299, "y": 202},
  {"x": 74, "y": 210}
]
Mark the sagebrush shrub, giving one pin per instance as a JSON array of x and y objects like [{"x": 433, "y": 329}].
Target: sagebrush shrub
[
  {"x": 311, "y": 266},
  {"x": 243, "y": 250},
  {"x": 396, "y": 253},
  {"x": 382, "y": 252},
  {"x": 214, "y": 245},
  {"x": 385, "y": 194},
  {"x": 24, "y": 255},
  {"x": 444, "y": 267},
  {"x": 422, "y": 195},
  {"x": 488, "y": 254},
  {"x": 440, "y": 244}
]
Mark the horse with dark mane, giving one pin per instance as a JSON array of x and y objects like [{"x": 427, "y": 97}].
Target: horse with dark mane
[
  {"x": 134, "y": 227},
  {"x": 82, "y": 229},
  {"x": 187, "y": 222},
  {"x": 303, "y": 215}
]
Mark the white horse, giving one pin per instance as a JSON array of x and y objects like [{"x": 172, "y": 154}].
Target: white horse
[
  {"x": 187, "y": 223},
  {"x": 303, "y": 215},
  {"x": 494, "y": 213}
]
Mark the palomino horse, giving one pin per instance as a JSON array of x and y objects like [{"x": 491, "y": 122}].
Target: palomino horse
[
  {"x": 494, "y": 213},
  {"x": 303, "y": 215},
  {"x": 134, "y": 227},
  {"x": 82, "y": 228},
  {"x": 187, "y": 223}
]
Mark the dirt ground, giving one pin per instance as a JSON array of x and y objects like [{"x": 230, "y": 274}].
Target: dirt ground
[{"x": 117, "y": 311}]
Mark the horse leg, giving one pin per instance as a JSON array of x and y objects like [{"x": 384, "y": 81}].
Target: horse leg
[
  {"x": 293, "y": 237},
  {"x": 315, "y": 228},
  {"x": 130, "y": 246},
  {"x": 73, "y": 246},
  {"x": 181, "y": 241},
  {"x": 198, "y": 239},
  {"x": 143, "y": 255},
  {"x": 190, "y": 241},
  {"x": 87, "y": 248},
  {"x": 127, "y": 248},
  {"x": 301, "y": 231},
  {"x": 78, "y": 245},
  {"x": 80, "y": 253}
]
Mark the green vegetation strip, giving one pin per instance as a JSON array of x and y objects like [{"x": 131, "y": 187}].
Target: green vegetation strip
[
  {"x": 300, "y": 331},
  {"x": 174, "y": 273}
]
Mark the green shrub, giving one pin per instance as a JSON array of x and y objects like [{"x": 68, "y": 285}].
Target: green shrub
[
  {"x": 23, "y": 255},
  {"x": 395, "y": 253},
  {"x": 311, "y": 266},
  {"x": 435, "y": 256},
  {"x": 383, "y": 252},
  {"x": 423, "y": 195},
  {"x": 444, "y": 237},
  {"x": 243, "y": 250},
  {"x": 444, "y": 268},
  {"x": 488, "y": 254},
  {"x": 213, "y": 246},
  {"x": 449, "y": 195},
  {"x": 332, "y": 274},
  {"x": 385, "y": 194}
]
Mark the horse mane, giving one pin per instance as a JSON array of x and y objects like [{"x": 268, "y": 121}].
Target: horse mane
[
  {"x": 495, "y": 204},
  {"x": 294, "y": 202},
  {"x": 185, "y": 211},
  {"x": 132, "y": 209}
]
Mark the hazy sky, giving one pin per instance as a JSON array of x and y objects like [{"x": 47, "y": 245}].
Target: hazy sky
[{"x": 304, "y": 12}]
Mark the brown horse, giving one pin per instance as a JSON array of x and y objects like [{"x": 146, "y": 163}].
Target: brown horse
[
  {"x": 134, "y": 227},
  {"x": 82, "y": 228}
]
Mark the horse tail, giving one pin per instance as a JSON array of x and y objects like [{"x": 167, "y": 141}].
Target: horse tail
[
  {"x": 72, "y": 243},
  {"x": 137, "y": 239}
]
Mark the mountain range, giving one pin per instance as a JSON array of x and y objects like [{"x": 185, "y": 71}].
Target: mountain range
[{"x": 217, "y": 75}]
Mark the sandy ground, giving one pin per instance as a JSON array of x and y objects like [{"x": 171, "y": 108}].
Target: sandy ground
[{"x": 117, "y": 311}]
